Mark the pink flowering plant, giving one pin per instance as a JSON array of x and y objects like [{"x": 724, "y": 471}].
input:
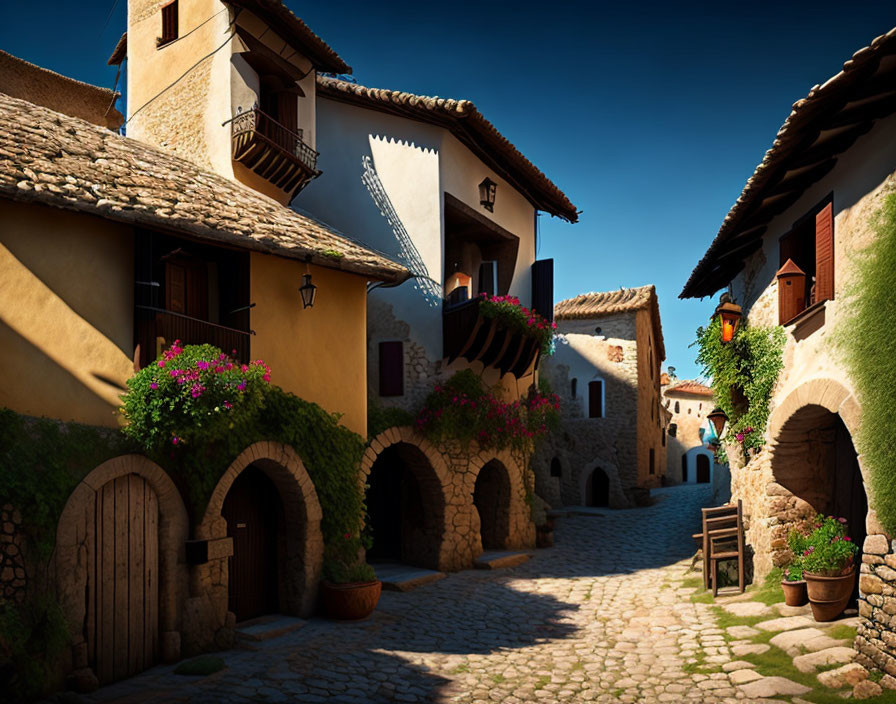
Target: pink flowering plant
[
  {"x": 824, "y": 550},
  {"x": 463, "y": 409},
  {"x": 192, "y": 393},
  {"x": 512, "y": 313}
]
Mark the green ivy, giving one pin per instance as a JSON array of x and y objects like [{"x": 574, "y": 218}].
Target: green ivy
[
  {"x": 381, "y": 418},
  {"x": 866, "y": 338},
  {"x": 743, "y": 372}
]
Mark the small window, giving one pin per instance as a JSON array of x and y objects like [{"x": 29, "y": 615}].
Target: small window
[
  {"x": 488, "y": 278},
  {"x": 556, "y": 469},
  {"x": 677, "y": 407},
  {"x": 652, "y": 461},
  {"x": 689, "y": 410},
  {"x": 573, "y": 387},
  {"x": 673, "y": 429},
  {"x": 596, "y": 399},
  {"x": 169, "y": 23},
  {"x": 392, "y": 368},
  {"x": 664, "y": 438},
  {"x": 597, "y": 331}
]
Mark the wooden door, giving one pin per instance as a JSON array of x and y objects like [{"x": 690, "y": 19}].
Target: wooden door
[
  {"x": 123, "y": 586},
  {"x": 252, "y": 510},
  {"x": 599, "y": 488},
  {"x": 186, "y": 287},
  {"x": 702, "y": 469}
]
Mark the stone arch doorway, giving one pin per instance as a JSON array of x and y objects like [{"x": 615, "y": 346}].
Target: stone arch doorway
[
  {"x": 491, "y": 497},
  {"x": 703, "y": 469},
  {"x": 405, "y": 507},
  {"x": 815, "y": 461},
  {"x": 119, "y": 567},
  {"x": 268, "y": 477},
  {"x": 597, "y": 488}
]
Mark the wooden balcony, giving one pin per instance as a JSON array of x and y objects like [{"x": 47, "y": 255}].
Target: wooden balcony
[
  {"x": 272, "y": 151},
  {"x": 157, "y": 328},
  {"x": 468, "y": 334}
]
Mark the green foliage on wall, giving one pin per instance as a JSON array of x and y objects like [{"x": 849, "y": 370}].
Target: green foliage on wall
[
  {"x": 381, "y": 418},
  {"x": 869, "y": 345},
  {"x": 743, "y": 373}
]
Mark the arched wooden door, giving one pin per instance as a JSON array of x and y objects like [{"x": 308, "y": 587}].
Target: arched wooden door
[
  {"x": 253, "y": 511},
  {"x": 703, "y": 469},
  {"x": 123, "y": 584}
]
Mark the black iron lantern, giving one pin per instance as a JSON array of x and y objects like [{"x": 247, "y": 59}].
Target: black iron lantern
[
  {"x": 730, "y": 313},
  {"x": 308, "y": 290},
  {"x": 718, "y": 418},
  {"x": 487, "y": 190}
]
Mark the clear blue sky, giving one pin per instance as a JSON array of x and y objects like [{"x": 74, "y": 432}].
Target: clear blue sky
[{"x": 650, "y": 116}]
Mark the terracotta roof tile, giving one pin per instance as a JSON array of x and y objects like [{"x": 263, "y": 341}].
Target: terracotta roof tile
[
  {"x": 50, "y": 158},
  {"x": 810, "y": 116},
  {"x": 623, "y": 300},
  {"x": 464, "y": 121},
  {"x": 690, "y": 386}
]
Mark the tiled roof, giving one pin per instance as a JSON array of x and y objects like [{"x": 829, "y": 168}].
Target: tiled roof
[
  {"x": 295, "y": 31},
  {"x": 50, "y": 158},
  {"x": 22, "y": 79},
  {"x": 464, "y": 121},
  {"x": 823, "y": 124},
  {"x": 624, "y": 300},
  {"x": 691, "y": 386}
]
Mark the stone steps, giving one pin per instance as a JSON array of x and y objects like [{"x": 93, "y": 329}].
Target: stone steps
[
  {"x": 402, "y": 578},
  {"x": 250, "y": 633},
  {"x": 496, "y": 559}
]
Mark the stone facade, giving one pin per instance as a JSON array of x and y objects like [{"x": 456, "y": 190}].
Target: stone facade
[
  {"x": 618, "y": 349},
  {"x": 876, "y": 639},
  {"x": 13, "y": 576},
  {"x": 689, "y": 403}
]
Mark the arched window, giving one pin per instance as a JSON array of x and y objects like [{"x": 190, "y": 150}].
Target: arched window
[
  {"x": 573, "y": 386},
  {"x": 556, "y": 469},
  {"x": 596, "y": 398},
  {"x": 677, "y": 407},
  {"x": 673, "y": 429}
]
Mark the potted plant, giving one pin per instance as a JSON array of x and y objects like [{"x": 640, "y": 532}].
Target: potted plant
[
  {"x": 350, "y": 590},
  {"x": 793, "y": 584},
  {"x": 828, "y": 564}
]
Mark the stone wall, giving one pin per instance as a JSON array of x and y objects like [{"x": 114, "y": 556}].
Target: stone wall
[
  {"x": 876, "y": 639},
  {"x": 13, "y": 576}
]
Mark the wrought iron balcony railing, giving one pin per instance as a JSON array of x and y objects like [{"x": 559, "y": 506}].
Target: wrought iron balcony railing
[{"x": 157, "y": 328}]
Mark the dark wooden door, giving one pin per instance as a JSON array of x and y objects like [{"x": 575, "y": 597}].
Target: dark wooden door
[
  {"x": 252, "y": 510},
  {"x": 702, "y": 469},
  {"x": 384, "y": 506},
  {"x": 123, "y": 588},
  {"x": 186, "y": 287},
  {"x": 599, "y": 488}
]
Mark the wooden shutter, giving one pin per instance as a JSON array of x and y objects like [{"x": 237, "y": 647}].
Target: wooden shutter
[
  {"x": 543, "y": 288},
  {"x": 287, "y": 110},
  {"x": 488, "y": 277},
  {"x": 392, "y": 368},
  {"x": 824, "y": 254},
  {"x": 596, "y": 399},
  {"x": 169, "y": 22}
]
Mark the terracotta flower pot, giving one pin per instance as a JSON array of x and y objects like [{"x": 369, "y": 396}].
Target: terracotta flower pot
[
  {"x": 350, "y": 602},
  {"x": 828, "y": 596},
  {"x": 795, "y": 593}
]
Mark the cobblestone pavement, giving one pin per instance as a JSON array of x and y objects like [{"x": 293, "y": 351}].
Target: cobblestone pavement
[{"x": 600, "y": 617}]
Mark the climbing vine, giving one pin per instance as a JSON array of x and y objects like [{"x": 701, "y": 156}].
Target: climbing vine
[
  {"x": 743, "y": 373},
  {"x": 866, "y": 338}
]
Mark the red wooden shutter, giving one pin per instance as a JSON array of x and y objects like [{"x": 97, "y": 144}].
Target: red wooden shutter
[
  {"x": 596, "y": 399},
  {"x": 824, "y": 254},
  {"x": 392, "y": 368}
]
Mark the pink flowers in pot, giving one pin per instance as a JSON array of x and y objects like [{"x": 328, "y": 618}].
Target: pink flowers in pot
[{"x": 513, "y": 314}]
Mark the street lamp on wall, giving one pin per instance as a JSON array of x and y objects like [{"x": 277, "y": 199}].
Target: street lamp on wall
[
  {"x": 730, "y": 313},
  {"x": 718, "y": 418},
  {"x": 487, "y": 191},
  {"x": 308, "y": 291}
]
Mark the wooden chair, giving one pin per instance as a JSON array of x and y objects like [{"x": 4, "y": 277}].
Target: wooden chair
[
  {"x": 719, "y": 533},
  {"x": 720, "y": 518}
]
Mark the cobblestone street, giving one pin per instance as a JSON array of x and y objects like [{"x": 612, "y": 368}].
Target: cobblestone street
[{"x": 599, "y": 617}]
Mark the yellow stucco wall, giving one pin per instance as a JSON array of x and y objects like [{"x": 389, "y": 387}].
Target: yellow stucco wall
[
  {"x": 316, "y": 353},
  {"x": 66, "y": 313}
]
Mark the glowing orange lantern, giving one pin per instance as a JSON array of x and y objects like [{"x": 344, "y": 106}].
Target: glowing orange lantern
[{"x": 730, "y": 313}]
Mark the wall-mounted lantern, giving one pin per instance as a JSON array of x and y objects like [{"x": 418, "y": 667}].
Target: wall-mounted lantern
[
  {"x": 308, "y": 291},
  {"x": 718, "y": 418},
  {"x": 730, "y": 313},
  {"x": 487, "y": 191}
]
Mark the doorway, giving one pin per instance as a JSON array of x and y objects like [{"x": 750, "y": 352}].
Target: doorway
[{"x": 597, "y": 488}]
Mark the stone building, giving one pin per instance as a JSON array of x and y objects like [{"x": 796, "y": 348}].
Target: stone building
[
  {"x": 610, "y": 450},
  {"x": 111, "y": 248},
  {"x": 688, "y": 459},
  {"x": 432, "y": 183},
  {"x": 805, "y": 212}
]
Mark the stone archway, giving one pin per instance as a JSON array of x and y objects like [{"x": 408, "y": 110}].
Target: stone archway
[
  {"x": 411, "y": 509},
  {"x": 120, "y": 572},
  {"x": 615, "y": 496},
  {"x": 491, "y": 497},
  {"x": 299, "y": 551},
  {"x": 504, "y": 519}
]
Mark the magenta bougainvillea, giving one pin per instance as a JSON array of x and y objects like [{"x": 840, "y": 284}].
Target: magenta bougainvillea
[
  {"x": 187, "y": 394},
  {"x": 509, "y": 311},
  {"x": 464, "y": 409}
]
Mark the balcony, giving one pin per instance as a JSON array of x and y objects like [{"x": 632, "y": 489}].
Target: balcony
[
  {"x": 273, "y": 151},
  {"x": 468, "y": 334},
  {"x": 157, "y": 328}
]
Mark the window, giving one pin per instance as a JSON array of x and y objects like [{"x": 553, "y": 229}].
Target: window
[
  {"x": 556, "y": 469},
  {"x": 806, "y": 262},
  {"x": 664, "y": 438},
  {"x": 596, "y": 399},
  {"x": 169, "y": 23},
  {"x": 652, "y": 461},
  {"x": 543, "y": 288},
  {"x": 573, "y": 387},
  {"x": 392, "y": 368},
  {"x": 677, "y": 407},
  {"x": 488, "y": 278},
  {"x": 673, "y": 429}
]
